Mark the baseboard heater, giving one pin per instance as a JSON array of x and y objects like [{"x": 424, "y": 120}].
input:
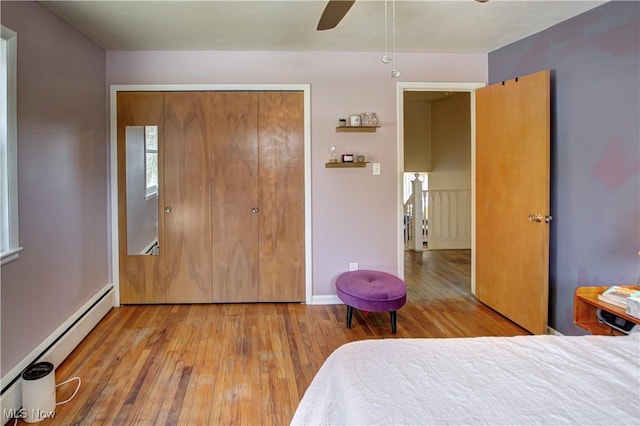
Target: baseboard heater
[{"x": 56, "y": 347}]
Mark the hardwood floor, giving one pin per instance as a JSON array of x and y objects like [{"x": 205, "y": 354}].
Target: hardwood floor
[{"x": 248, "y": 363}]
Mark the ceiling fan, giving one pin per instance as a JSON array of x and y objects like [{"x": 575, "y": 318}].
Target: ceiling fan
[
  {"x": 333, "y": 13},
  {"x": 337, "y": 9}
]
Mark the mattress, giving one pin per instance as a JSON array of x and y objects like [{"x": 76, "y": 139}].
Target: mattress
[{"x": 519, "y": 380}]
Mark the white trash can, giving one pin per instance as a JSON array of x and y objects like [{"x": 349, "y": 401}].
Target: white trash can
[{"x": 38, "y": 392}]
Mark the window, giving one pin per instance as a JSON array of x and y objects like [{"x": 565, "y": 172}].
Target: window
[
  {"x": 151, "y": 157},
  {"x": 9, "y": 242}
]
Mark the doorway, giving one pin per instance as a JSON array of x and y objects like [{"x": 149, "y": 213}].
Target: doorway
[{"x": 405, "y": 89}]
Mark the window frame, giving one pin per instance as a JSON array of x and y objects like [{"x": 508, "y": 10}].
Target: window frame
[
  {"x": 150, "y": 191},
  {"x": 9, "y": 241}
]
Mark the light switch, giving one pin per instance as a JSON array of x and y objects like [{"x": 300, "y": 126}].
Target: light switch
[{"x": 376, "y": 169}]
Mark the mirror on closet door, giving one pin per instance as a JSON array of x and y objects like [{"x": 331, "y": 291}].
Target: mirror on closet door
[{"x": 142, "y": 189}]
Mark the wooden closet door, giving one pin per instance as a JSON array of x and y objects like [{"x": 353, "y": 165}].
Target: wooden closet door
[
  {"x": 281, "y": 185},
  {"x": 140, "y": 277},
  {"x": 234, "y": 170},
  {"x": 187, "y": 201}
]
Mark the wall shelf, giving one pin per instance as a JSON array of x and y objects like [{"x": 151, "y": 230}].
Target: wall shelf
[
  {"x": 356, "y": 129},
  {"x": 339, "y": 165}
]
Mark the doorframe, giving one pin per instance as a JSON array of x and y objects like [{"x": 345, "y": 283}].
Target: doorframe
[
  {"x": 113, "y": 181},
  {"x": 402, "y": 87}
]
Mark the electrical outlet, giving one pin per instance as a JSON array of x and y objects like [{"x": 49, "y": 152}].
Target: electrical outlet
[{"x": 353, "y": 266}]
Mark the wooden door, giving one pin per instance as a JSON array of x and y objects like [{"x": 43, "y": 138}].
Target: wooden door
[
  {"x": 139, "y": 276},
  {"x": 186, "y": 251},
  {"x": 234, "y": 172},
  {"x": 512, "y": 182},
  {"x": 281, "y": 209}
]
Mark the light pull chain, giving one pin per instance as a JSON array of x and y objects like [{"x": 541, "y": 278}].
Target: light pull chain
[
  {"x": 386, "y": 58},
  {"x": 394, "y": 73}
]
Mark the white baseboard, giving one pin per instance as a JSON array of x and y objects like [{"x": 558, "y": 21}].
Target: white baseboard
[
  {"x": 449, "y": 245},
  {"x": 56, "y": 347},
  {"x": 553, "y": 332},
  {"x": 331, "y": 299}
]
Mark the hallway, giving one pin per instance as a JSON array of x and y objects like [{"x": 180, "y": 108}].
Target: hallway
[
  {"x": 439, "y": 296},
  {"x": 438, "y": 274}
]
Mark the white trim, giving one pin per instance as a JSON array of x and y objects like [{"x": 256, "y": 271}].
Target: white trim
[
  {"x": 553, "y": 332},
  {"x": 57, "y": 346},
  {"x": 470, "y": 87},
  {"x": 472, "y": 101},
  {"x": 208, "y": 87},
  {"x": 449, "y": 245},
  {"x": 307, "y": 195},
  {"x": 305, "y": 88},
  {"x": 113, "y": 199},
  {"x": 10, "y": 255},
  {"x": 10, "y": 186},
  {"x": 330, "y": 299}
]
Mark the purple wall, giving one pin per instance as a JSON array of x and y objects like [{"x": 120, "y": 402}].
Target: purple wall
[
  {"x": 62, "y": 161},
  {"x": 595, "y": 145}
]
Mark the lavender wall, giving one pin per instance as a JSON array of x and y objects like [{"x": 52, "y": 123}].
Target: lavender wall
[
  {"x": 62, "y": 160},
  {"x": 354, "y": 213},
  {"x": 595, "y": 234}
]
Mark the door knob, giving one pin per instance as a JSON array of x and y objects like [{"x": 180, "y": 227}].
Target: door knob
[
  {"x": 539, "y": 218},
  {"x": 254, "y": 210},
  {"x": 167, "y": 209},
  {"x": 535, "y": 217}
]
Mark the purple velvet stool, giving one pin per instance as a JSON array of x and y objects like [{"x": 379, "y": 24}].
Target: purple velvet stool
[{"x": 371, "y": 291}]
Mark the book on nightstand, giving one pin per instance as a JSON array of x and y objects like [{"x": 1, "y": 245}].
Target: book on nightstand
[
  {"x": 633, "y": 306},
  {"x": 618, "y": 295}
]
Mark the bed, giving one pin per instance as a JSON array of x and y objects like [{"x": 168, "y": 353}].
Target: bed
[{"x": 519, "y": 380}]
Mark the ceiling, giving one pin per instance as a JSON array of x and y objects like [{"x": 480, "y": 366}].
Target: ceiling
[{"x": 464, "y": 26}]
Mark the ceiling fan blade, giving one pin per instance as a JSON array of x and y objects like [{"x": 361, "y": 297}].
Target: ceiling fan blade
[{"x": 333, "y": 13}]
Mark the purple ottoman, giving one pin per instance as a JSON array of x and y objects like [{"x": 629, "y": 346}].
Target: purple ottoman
[{"x": 371, "y": 291}]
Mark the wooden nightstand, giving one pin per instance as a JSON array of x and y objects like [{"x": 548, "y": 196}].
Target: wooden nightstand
[{"x": 585, "y": 305}]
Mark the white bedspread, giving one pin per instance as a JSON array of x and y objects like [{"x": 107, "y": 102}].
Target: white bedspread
[{"x": 552, "y": 380}]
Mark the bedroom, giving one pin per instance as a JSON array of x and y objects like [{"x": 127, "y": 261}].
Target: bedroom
[{"x": 64, "y": 142}]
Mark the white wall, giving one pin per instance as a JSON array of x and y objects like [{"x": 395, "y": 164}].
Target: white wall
[{"x": 354, "y": 214}]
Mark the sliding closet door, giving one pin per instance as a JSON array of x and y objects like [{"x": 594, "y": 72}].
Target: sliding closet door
[
  {"x": 187, "y": 200},
  {"x": 281, "y": 184},
  {"x": 235, "y": 209}
]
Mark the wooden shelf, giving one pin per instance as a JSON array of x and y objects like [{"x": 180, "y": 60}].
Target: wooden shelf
[
  {"x": 356, "y": 129},
  {"x": 585, "y": 305},
  {"x": 338, "y": 165}
]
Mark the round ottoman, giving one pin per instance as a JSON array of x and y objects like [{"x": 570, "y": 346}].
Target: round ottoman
[{"x": 371, "y": 291}]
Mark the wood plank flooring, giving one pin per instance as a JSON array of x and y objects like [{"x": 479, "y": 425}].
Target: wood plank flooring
[{"x": 248, "y": 364}]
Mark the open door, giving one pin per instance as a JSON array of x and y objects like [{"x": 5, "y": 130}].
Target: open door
[{"x": 512, "y": 199}]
